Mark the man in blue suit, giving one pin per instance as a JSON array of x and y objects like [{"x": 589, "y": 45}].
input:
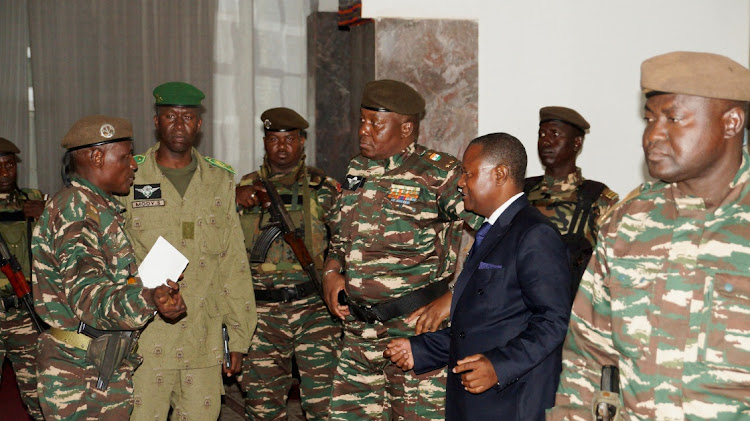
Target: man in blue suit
[{"x": 511, "y": 302}]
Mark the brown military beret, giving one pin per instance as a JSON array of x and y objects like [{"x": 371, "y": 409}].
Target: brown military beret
[
  {"x": 7, "y": 147},
  {"x": 700, "y": 74},
  {"x": 392, "y": 96},
  {"x": 96, "y": 130},
  {"x": 565, "y": 115},
  {"x": 282, "y": 119}
]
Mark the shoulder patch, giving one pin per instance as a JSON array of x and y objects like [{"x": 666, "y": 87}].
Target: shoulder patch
[
  {"x": 216, "y": 163},
  {"x": 92, "y": 213},
  {"x": 140, "y": 159},
  {"x": 609, "y": 194},
  {"x": 440, "y": 160}
]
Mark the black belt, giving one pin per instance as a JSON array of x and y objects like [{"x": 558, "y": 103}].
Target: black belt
[
  {"x": 287, "y": 294},
  {"x": 405, "y": 304},
  {"x": 9, "y": 301}
]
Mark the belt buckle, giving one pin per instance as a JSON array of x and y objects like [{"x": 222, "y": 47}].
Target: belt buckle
[{"x": 289, "y": 294}]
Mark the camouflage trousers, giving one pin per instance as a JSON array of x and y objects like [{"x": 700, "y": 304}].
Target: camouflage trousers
[
  {"x": 368, "y": 386},
  {"x": 67, "y": 385},
  {"x": 300, "y": 329},
  {"x": 18, "y": 343}
]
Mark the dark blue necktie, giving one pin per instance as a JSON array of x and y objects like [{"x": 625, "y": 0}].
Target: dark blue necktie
[{"x": 480, "y": 236}]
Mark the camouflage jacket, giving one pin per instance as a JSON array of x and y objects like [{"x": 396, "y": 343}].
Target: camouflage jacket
[
  {"x": 667, "y": 299},
  {"x": 204, "y": 226},
  {"x": 556, "y": 199},
  {"x": 84, "y": 268},
  {"x": 399, "y": 224},
  {"x": 281, "y": 267},
  {"x": 13, "y": 227}
]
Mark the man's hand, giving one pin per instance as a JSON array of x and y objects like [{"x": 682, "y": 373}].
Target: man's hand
[
  {"x": 333, "y": 282},
  {"x": 235, "y": 364},
  {"x": 247, "y": 196},
  {"x": 33, "y": 208},
  {"x": 399, "y": 351},
  {"x": 168, "y": 300},
  {"x": 479, "y": 373},
  {"x": 431, "y": 315}
]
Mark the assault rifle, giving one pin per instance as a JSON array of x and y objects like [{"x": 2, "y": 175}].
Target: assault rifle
[
  {"x": 281, "y": 224},
  {"x": 12, "y": 269}
]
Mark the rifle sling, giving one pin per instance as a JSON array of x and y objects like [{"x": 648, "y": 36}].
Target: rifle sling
[{"x": 403, "y": 305}]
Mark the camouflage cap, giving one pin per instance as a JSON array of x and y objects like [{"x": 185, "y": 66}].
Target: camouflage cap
[
  {"x": 392, "y": 96},
  {"x": 566, "y": 115},
  {"x": 95, "y": 130},
  {"x": 7, "y": 147},
  {"x": 282, "y": 119},
  {"x": 699, "y": 74},
  {"x": 178, "y": 94}
]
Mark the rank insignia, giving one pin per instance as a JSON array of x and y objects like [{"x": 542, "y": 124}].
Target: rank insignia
[
  {"x": 147, "y": 191},
  {"x": 353, "y": 182},
  {"x": 403, "y": 195}
]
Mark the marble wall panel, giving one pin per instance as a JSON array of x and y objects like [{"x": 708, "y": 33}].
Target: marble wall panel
[{"x": 439, "y": 58}]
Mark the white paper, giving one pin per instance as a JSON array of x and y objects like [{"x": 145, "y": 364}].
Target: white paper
[{"x": 162, "y": 262}]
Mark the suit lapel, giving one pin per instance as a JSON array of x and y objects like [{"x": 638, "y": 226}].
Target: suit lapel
[{"x": 493, "y": 237}]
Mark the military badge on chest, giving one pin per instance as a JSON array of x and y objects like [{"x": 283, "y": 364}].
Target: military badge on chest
[
  {"x": 353, "y": 182},
  {"x": 403, "y": 195},
  {"x": 147, "y": 195}
]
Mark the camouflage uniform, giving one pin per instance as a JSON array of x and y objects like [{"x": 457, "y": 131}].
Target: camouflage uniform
[
  {"x": 667, "y": 299},
  {"x": 204, "y": 226},
  {"x": 17, "y": 334},
  {"x": 556, "y": 199},
  {"x": 302, "y": 328},
  {"x": 83, "y": 271},
  {"x": 399, "y": 229}
]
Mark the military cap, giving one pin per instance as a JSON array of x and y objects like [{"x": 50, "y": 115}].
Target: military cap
[
  {"x": 392, "y": 96},
  {"x": 282, "y": 119},
  {"x": 699, "y": 74},
  {"x": 178, "y": 94},
  {"x": 565, "y": 115},
  {"x": 96, "y": 130},
  {"x": 7, "y": 147}
]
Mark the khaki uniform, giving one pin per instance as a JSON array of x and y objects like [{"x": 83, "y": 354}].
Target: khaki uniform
[
  {"x": 17, "y": 334},
  {"x": 182, "y": 360},
  {"x": 303, "y": 328},
  {"x": 84, "y": 271}
]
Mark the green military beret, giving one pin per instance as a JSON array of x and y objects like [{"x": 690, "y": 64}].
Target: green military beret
[
  {"x": 178, "y": 94},
  {"x": 700, "y": 74},
  {"x": 96, "y": 130},
  {"x": 565, "y": 115},
  {"x": 7, "y": 147},
  {"x": 392, "y": 96},
  {"x": 282, "y": 119}
]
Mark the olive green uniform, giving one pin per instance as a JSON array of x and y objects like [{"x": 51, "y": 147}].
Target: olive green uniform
[
  {"x": 17, "y": 334},
  {"x": 300, "y": 327},
  {"x": 182, "y": 360}
]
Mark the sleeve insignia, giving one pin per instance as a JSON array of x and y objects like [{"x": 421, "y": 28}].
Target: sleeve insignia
[{"x": 216, "y": 163}]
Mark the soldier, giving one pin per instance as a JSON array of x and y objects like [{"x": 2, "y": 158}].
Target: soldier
[
  {"x": 293, "y": 321},
  {"x": 18, "y": 209},
  {"x": 84, "y": 272},
  {"x": 570, "y": 201},
  {"x": 189, "y": 200},
  {"x": 393, "y": 250},
  {"x": 666, "y": 297}
]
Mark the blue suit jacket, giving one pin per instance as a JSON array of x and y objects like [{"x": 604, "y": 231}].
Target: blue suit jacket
[{"x": 511, "y": 303}]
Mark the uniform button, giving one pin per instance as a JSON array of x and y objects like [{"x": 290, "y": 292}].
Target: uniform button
[
  {"x": 480, "y": 292},
  {"x": 728, "y": 287},
  {"x": 461, "y": 335}
]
